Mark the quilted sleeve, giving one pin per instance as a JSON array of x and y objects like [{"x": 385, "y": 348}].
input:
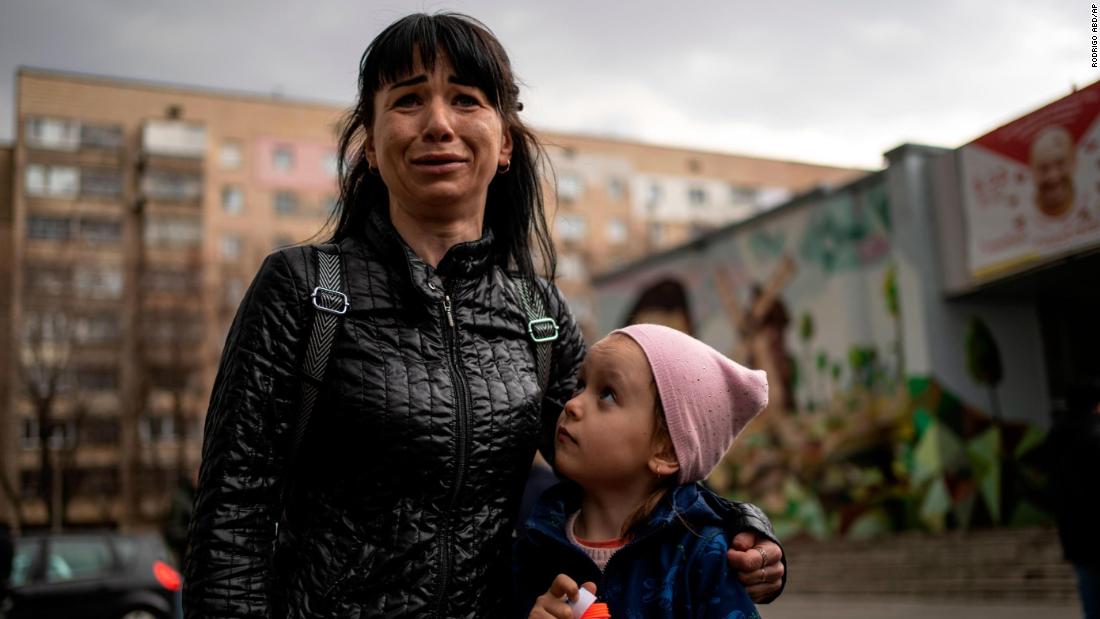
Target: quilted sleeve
[
  {"x": 232, "y": 534},
  {"x": 568, "y": 353}
]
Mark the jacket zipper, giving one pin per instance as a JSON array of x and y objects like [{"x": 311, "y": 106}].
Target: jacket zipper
[{"x": 462, "y": 405}]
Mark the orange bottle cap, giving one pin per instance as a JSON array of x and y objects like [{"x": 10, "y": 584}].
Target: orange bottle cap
[{"x": 597, "y": 610}]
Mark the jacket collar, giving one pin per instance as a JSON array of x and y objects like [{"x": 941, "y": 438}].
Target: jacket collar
[
  {"x": 467, "y": 260},
  {"x": 687, "y": 503}
]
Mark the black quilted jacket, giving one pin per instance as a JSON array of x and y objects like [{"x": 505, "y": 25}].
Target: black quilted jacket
[
  {"x": 408, "y": 481},
  {"x": 404, "y": 494}
]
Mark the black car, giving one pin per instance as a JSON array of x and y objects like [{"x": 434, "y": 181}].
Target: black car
[{"x": 93, "y": 576}]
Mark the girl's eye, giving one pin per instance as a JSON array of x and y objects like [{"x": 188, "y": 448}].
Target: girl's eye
[
  {"x": 607, "y": 394},
  {"x": 406, "y": 101},
  {"x": 579, "y": 388}
]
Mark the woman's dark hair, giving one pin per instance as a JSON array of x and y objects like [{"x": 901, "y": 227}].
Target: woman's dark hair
[{"x": 514, "y": 209}]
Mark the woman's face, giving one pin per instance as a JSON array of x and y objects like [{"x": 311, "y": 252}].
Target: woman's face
[{"x": 437, "y": 143}]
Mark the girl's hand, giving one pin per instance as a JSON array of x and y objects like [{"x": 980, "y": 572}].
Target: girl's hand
[{"x": 551, "y": 605}]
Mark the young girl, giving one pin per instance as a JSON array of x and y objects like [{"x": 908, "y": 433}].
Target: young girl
[{"x": 654, "y": 412}]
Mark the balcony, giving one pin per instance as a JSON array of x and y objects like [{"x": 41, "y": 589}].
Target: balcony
[{"x": 173, "y": 139}]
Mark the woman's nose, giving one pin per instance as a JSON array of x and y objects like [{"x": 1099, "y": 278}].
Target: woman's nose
[{"x": 437, "y": 125}]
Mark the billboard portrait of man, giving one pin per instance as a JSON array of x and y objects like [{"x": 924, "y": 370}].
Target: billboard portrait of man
[{"x": 1052, "y": 165}]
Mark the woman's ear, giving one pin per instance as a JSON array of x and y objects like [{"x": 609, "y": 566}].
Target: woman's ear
[
  {"x": 368, "y": 150},
  {"x": 505, "y": 158}
]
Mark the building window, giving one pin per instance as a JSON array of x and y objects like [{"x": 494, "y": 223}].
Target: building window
[
  {"x": 97, "y": 329},
  {"x": 615, "y": 189},
  {"x": 47, "y": 279},
  {"x": 100, "y": 230},
  {"x": 100, "y": 183},
  {"x": 90, "y": 379},
  {"x": 52, "y": 181},
  {"x": 232, "y": 199},
  {"x": 230, "y": 155},
  {"x": 570, "y": 187},
  {"x": 571, "y": 227},
  {"x": 654, "y": 194},
  {"x": 616, "y": 230},
  {"x": 231, "y": 247},
  {"x": 170, "y": 328},
  {"x": 172, "y": 186},
  {"x": 742, "y": 195},
  {"x": 156, "y": 429},
  {"x": 53, "y": 133},
  {"x": 170, "y": 280},
  {"x": 697, "y": 196},
  {"x": 571, "y": 266},
  {"x": 172, "y": 231},
  {"x": 29, "y": 435},
  {"x": 330, "y": 163},
  {"x": 100, "y": 431},
  {"x": 103, "y": 137},
  {"x": 282, "y": 158},
  {"x": 286, "y": 203},
  {"x": 97, "y": 282},
  {"x": 48, "y": 228}
]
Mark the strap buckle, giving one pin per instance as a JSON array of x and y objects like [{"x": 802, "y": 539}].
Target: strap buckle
[
  {"x": 331, "y": 301},
  {"x": 546, "y": 334}
]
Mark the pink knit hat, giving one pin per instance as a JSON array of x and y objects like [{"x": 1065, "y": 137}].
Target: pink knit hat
[{"x": 707, "y": 398}]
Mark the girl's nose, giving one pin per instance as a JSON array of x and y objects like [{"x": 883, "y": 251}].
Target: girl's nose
[
  {"x": 573, "y": 407},
  {"x": 437, "y": 125}
]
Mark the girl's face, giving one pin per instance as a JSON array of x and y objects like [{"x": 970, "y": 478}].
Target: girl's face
[
  {"x": 605, "y": 435},
  {"x": 437, "y": 143}
]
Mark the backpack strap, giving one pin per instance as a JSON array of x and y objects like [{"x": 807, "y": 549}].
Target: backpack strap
[
  {"x": 541, "y": 328},
  {"x": 330, "y": 300}
]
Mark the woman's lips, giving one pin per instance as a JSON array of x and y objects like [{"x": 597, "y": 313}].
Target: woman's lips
[{"x": 438, "y": 164}]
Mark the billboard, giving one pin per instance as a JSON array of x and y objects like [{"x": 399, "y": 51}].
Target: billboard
[{"x": 1031, "y": 189}]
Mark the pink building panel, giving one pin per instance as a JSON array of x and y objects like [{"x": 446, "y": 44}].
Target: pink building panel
[{"x": 292, "y": 164}]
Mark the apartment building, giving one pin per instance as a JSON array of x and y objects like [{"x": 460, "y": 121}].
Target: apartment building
[
  {"x": 137, "y": 214},
  {"x": 618, "y": 201}
]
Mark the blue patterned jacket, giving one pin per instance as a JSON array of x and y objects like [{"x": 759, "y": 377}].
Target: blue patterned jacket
[{"x": 675, "y": 567}]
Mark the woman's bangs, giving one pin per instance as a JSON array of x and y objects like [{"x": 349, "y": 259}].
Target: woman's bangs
[{"x": 395, "y": 55}]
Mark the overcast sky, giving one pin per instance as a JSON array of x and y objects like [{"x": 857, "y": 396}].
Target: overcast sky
[{"x": 834, "y": 82}]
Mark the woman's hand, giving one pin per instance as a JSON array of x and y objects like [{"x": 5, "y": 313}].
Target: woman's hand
[
  {"x": 757, "y": 563},
  {"x": 551, "y": 605}
]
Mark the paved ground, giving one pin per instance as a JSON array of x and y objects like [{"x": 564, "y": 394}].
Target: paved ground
[{"x": 792, "y": 606}]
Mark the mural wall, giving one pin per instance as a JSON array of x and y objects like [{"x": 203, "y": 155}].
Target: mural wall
[{"x": 860, "y": 437}]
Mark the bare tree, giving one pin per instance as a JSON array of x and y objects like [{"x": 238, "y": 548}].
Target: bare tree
[{"x": 47, "y": 372}]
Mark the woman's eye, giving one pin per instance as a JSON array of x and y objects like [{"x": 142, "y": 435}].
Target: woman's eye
[
  {"x": 406, "y": 101},
  {"x": 466, "y": 100}
]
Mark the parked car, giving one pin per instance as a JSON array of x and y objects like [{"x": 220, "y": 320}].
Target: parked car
[{"x": 104, "y": 575}]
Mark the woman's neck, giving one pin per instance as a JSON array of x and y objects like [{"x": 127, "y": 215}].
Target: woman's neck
[
  {"x": 431, "y": 239},
  {"x": 604, "y": 512}
]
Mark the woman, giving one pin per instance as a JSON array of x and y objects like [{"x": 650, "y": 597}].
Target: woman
[{"x": 402, "y": 499}]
